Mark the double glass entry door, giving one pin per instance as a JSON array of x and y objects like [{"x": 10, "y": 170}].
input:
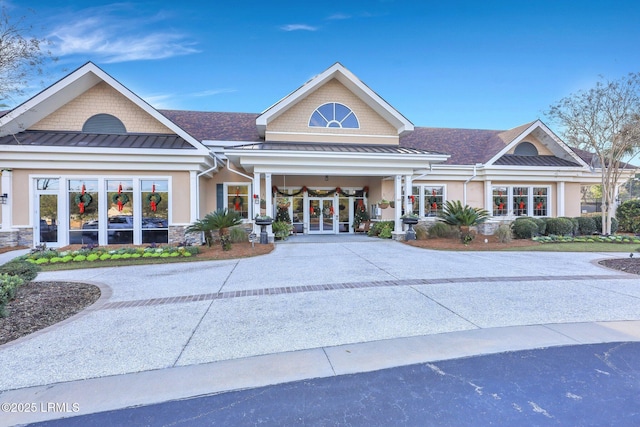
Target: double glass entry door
[{"x": 322, "y": 215}]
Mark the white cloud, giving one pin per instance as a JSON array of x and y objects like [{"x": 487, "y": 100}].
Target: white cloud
[
  {"x": 338, "y": 17},
  {"x": 298, "y": 27},
  {"x": 213, "y": 92},
  {"x": 117, "y": 37}
]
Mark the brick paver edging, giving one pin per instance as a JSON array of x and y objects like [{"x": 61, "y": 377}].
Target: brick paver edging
[{"x": 340, "y": 286}]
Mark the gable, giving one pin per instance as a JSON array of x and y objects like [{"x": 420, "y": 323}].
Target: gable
[
  {"x": 100, "y": 99},
  {"x": 543, "y": 150},
  {"x": 293, "y": 124}
]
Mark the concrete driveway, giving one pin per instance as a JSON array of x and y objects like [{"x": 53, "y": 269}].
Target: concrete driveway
[{"x": 309, "y": 310}]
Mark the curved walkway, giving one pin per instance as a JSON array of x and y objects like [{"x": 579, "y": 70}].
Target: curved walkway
[{"x": 308, "y": 310}]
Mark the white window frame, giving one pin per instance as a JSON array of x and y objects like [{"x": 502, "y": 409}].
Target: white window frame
[
  {"x": 510, "y": 199},
  {"x": 421, "y": 202},
  {"x": 225, "y": 198}
]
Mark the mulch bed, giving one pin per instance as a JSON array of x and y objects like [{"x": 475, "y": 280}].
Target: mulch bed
[
  {"x": 41, "y": 304},
  {"x": 628, "y": 265}
]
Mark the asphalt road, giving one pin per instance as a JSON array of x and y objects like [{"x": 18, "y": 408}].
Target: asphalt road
[{"x": 586, "y": 385}]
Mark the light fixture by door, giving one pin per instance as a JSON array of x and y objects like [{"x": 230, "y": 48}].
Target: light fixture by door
[{"x": 326, "y": 177}]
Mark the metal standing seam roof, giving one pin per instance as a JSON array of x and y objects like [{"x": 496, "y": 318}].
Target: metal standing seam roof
[
  {"x": 334, "y": 148},
  {"x": 516, "y": 160},
  {"x": 94, "y": 140}
]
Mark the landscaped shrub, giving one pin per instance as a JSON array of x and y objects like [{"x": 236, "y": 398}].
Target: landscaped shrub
[
  {"x": 628, "y": 214},
  {"x": 576, "y": 225},
  {"x": 542, "y": 225},
  {"x": 377, "y": 228},
  {"x": 442, "y": 230},
  {"x": 25, "y": 270},
  {"x": 598, "y": 221},
  {"x": 237, "y": 234},
  {"x": 503, "y": 233},
  {"x": 524, "y": 229},
  {"x": 9, "y": 285},
  {"x": 559, "y": 226},
  {"x": 586, "y": 225},
  {"x": 421, "y": 232}
]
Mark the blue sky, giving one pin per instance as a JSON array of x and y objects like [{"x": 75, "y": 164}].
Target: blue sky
[{"x": 448, "y": 63}]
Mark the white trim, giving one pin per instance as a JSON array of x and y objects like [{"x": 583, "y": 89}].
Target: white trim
[{"x": 343, "y": 135}]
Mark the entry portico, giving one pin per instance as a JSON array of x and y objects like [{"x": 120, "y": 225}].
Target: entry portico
[{"x": 337, "y": 178}]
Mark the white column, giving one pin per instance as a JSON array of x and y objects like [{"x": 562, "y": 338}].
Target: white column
[
  {"x": 408, "y": 191},
  {"x": 193, "y": 195},
  {"x": 560, "y": 200},
  {"x": 397, "y": 191},
  {"x": 488, "y": 202},
  {"x": 7, "y": 209},
  {"x": 256, "y": 190},
  {"x": 268, "y": 192}
]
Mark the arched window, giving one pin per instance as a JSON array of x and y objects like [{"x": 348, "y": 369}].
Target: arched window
[
  {"x": 103, "y": 123},
  {"x": 334, "y": 115},
  {"x": 526, "y": 149}
]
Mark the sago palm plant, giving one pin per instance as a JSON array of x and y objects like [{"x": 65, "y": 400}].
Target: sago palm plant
[
  {"x": 220, "y": 220},
  {"x": 463, "y": 217}
]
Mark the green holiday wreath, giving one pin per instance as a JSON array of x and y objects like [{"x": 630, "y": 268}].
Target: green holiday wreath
[
  {"x": 152, "y": 197},
  {"x": 83, "y": 198},
  {"x": 124, "y": 199}
]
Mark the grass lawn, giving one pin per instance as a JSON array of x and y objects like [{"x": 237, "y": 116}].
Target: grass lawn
[{"x": 579, "y": 247}]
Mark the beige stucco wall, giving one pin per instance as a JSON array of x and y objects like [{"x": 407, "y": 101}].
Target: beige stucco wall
[
  {"x": 296, "y": 120},
  {"x": 180, "y": 194},
  {"x": 542, "y": 149},
  {"x": 101, "y": 98},
  {"x": 572, "y": 199}
]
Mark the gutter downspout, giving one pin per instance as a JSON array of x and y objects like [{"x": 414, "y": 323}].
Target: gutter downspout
[
  {"x": 464, "y": 186},
  {"x": 238, "y": 172},
  {"x": 197, "y": 197}
]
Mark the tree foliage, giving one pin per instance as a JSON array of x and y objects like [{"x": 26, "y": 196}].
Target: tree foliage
[
  {"x": 605, "y": 121},
  {"x": 22, "y": 56}
]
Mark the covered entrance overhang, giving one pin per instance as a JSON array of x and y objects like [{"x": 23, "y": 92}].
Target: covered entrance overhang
[{"x": 332, "y": 166}]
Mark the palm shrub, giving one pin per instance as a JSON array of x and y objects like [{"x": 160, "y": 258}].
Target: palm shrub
[
  {"x": 453, "y": 213},
  {"x": 628, "y": 214},
  {"x": 220, "y": 220}
]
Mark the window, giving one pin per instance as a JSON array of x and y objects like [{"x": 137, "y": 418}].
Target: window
[
  {"x": 520, "y": 201},
  {"x": 334, "y": 115},
  {"x": 84, "y": 223},
  {"x": 103, "y": 123},
  {"x": 526, "y": 149},
  {"x": 155, "y": 211},
  {"x": 120, "y": 212},
  {"x": 428, "y": 199},
  {"x": 237, "y": 199}
]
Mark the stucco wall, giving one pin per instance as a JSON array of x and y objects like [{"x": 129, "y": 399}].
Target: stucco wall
[
  {"x": 572, "y": 199},
  {"x": 296, "y": 120},
  {"x": 101, "y": 98}
]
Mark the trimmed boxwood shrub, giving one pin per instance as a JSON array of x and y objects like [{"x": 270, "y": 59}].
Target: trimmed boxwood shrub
[
  {"x": 23, "y": 269},
  {"x": 503, "y": 233},
  {"x": 524, "y": 228},
  {"x": 8, "y": 287},
  {"x": 559, "y": 226},
  {"x": 586, "y": 225},
  {"x": 628, "y": 215},
  {"x": 598, "y": 221}
]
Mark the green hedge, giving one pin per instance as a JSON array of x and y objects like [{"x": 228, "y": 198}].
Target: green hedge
[
  {"x": 559, "y": 226},
  {"x": 524, "y": 228},
  {"x": 628, "y": 213},
  {"x": 586, "y": 225},
  {"x": 9, "y": 285},
  {"x": 25, "y": 270},
  {"x": 598, "y": 221}
]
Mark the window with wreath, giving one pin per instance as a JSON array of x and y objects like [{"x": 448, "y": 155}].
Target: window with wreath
[
  {"x": 427, "y": 199},
  {"x": 334, "y": 115},
  {"x": 155, "y": 211},
  {"x": 120, "y": 212},
  {"x": 520, "y": 201},
  {"x": 238, "y": 199},
  {"x": 84, "y": 224}
]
